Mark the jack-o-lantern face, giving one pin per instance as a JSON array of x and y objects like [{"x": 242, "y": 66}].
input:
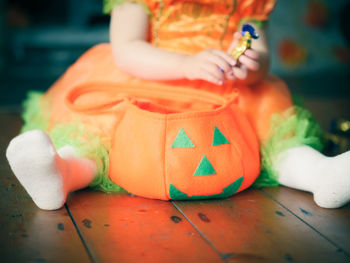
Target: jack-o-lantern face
[
  {"x": 204, "y": 168},
  {"x": 191, "y": 155}
]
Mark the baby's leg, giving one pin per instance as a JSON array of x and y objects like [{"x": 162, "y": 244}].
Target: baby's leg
[
  {"x": 48, "y": 176},
  {"x": 297, "y": 165},
  {"x": 328, "y": 178}
]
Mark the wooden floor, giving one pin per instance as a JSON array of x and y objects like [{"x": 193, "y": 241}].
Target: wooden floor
[{"x": 268, "y": 225}]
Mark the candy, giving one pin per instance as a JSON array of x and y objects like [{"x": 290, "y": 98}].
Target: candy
[{"x": 248, "y": 33}]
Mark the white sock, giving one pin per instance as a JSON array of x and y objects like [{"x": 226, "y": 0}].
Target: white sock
[
  {"x": 46, "y": 176},
  {"x": 328, "y": 178}
]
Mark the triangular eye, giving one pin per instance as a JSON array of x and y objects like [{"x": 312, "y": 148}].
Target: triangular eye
[
  {"x": 182, "y": 140},
  {"x": 219, "y": 138}
]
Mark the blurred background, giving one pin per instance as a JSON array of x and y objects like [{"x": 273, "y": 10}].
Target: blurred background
[
  {"x": 39, "y": 39},
  {"x": 309, "y": 39}
]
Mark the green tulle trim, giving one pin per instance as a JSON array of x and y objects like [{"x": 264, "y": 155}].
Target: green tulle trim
[
  {"x": 295, "y": 127},
  {"x": 108, "y": 5},
  {"x": 72, "y": 134},
  {"x": 32, "y": 113}
]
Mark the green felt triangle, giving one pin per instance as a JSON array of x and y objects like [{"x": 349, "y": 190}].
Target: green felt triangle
[
  {"x": 204, "y": 168},
  {"x": 176, "y": 194},
  {"x": 219, "y": 138},
  {"x": 182, "y": 140}
]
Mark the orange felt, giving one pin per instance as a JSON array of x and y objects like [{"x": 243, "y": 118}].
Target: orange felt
[
  {"x": 142, "y": 160},
  {"x": 137, "y": 155}
]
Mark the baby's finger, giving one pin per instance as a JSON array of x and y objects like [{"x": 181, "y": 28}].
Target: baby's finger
[
  {"x": 206, "y": 76},
  {"x": 251, "y": 53},
  {"x": 249, "y": 63},
  {"x": 214, "y": 70},
  {"x": 230, "y": 60},
  {"x": 219, "y": 62},
  {"x": 230, "y": 75},
  {"x": 240, "y": 72},
  {"x": 236, "y": 37},
  {"x": 212, "y": 73}
]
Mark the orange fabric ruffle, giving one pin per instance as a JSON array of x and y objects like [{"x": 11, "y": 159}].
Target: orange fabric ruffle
[{"x": 255, "y": 9}]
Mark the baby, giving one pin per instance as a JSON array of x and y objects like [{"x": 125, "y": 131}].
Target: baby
[{"x": 170, "y": 44}]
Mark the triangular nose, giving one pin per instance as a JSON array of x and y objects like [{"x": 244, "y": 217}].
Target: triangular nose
[{"x": 204, "y": 167}]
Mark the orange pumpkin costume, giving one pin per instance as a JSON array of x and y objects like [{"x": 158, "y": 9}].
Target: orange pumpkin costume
[{"x": 172, "y": 139}]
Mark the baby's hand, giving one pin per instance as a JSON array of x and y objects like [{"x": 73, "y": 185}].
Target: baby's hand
[
  {"x": 211, "y": 65},
  {"x": 251, "y": 66},
  {"x": 248, "y": 63}
]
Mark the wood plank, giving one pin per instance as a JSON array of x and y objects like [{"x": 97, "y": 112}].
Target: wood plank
[
  {"x": 251, "y": 227},
  {"x": 123, "y": 228},
  {"x": 29, "y": 234},
  {"x": 332, "y": 223}
]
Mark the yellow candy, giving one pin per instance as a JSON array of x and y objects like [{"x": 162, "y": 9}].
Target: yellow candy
[{"x": 243, "y": 44}]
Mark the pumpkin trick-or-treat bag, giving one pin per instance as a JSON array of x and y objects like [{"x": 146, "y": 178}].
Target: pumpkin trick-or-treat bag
[{"x": 163, "y": 149}]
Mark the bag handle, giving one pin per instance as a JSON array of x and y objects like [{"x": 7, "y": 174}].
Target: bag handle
[{"x": 118, "y": 93}]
